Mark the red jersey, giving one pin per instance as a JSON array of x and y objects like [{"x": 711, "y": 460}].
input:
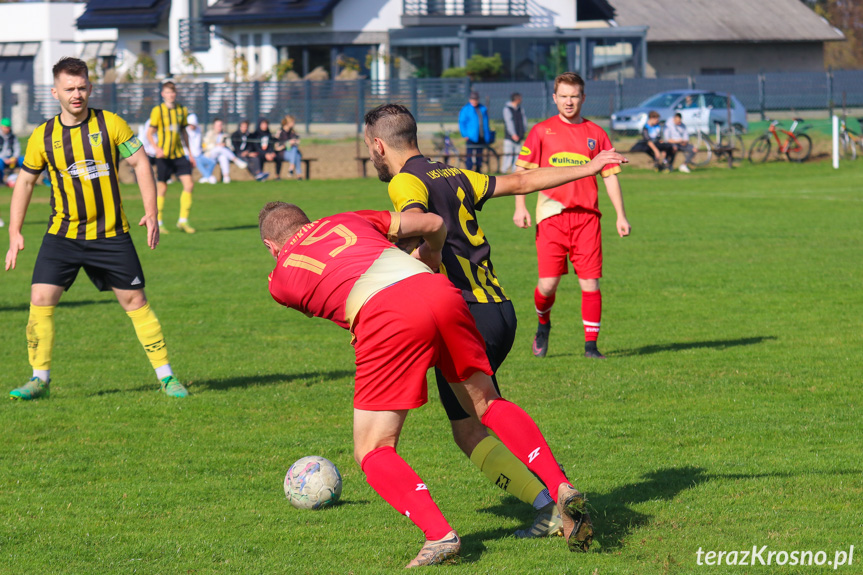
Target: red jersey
[
  {"x": 332, "y": 266},
  {"x": 555, "y": 143}
]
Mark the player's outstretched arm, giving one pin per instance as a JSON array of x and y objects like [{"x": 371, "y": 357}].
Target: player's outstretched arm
[
  {"x": 612, "y": 186},
  {"x": 144, "y": 175},
  {"x": 431, "y": 228},
  {"x": 528, "y": 181},
  {"x": 17, "y": 210}
]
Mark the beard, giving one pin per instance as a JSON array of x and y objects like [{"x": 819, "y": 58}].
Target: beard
[{"x": 384, "y": 173}]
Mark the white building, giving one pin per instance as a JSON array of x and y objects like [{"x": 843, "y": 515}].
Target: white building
[
  {"x": 34, "y": 35},
  {"x": 379, "y": 39}
]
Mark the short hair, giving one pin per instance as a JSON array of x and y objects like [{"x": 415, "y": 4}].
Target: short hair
[
  {"x": 72, "y": 67},
  {"x": 278, "y": 221},
  {"x": 653, "y": 114},
  {"x": 570, "y": 78},
  {"x": 678, "y": 115},
  {"x": 169, "y": 86},
  {"x": 394, "y": 124},
  {"x": 218, "y": 119},
  {"x": 513, "y": 96}
]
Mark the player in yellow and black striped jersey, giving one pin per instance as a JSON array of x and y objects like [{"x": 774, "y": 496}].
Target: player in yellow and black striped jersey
[
  {"x": 168, "y": 135},
  {"x": 81, "y": 149},
  {"x": 81, "y": 162},
  {"x": 417, "y": 183},
  {"x": 455, "y": 195}
]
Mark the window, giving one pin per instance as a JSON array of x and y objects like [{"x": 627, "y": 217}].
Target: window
[{"x": 717, "y": 71}]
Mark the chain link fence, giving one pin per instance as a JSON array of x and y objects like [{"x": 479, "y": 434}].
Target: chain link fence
[{"x": 439, "y": 99}]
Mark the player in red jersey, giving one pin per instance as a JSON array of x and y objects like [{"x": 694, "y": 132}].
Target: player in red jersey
[
  {"x": 344, "y": 268},
  {"x": 567, "y": 217}
]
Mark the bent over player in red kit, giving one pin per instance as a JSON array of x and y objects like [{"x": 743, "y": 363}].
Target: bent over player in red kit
[{"x": 344, "y": 268}]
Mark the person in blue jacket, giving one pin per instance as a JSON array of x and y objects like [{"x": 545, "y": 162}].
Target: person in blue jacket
[{"x": 473, "y": 124}]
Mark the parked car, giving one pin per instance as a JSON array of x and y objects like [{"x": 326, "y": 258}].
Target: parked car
[{"x": 699, "y": 108}]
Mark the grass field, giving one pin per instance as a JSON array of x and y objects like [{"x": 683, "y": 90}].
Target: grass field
[{"x": 727, "y": 415}]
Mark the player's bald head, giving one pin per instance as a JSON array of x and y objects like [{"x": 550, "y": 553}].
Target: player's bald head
[
  {"x": 278, "y": 221},
  {"x": 394, "y": 125}
]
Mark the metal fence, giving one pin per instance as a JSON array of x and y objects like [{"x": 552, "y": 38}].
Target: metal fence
[{"x": 439, "y": 100}]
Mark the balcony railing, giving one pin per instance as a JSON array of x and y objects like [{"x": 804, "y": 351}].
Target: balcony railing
[
  {"x": 476, "y": 13},
  {"x": 194, "y": 36}
]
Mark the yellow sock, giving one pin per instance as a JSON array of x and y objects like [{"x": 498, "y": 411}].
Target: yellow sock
[
  {"x": 505, "y": 470},
  {"x": 40, "y": 336},
  {"x": 185, "y": 205},
  {"x": 160, "y": 205},
  {"x": 149, "y": 332}
]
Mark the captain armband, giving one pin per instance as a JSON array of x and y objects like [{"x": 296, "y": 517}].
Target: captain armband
[{"x": 130, "y": 146}]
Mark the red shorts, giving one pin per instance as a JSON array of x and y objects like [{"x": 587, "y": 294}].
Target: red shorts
[
  {"x": 402, "y": 331},
  {"x": 574, "y": 234}
]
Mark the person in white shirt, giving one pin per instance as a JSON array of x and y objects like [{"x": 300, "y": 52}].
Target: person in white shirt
[
  {"x": 216, "y": 146},
  {"x": 196, "y": 150},
  {"x": 677, "y": 135}
]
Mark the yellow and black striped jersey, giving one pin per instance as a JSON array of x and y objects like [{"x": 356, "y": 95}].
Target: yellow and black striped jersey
[
  {"x": 170, "y": 123},
  {"x": 455, "y": 195},
  {"x": 82, "y": 163}
]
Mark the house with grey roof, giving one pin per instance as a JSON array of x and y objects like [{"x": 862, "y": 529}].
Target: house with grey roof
[{"x": 700, "y": 37}]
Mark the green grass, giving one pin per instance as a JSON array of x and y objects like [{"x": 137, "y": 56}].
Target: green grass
[{"x": 727, "y": 415}]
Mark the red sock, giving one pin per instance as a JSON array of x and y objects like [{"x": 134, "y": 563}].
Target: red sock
[
  {"x": 400, "y": 486},
  {"x": 519, "y": 433},
  {"x": 591, "y": 313},
  {"x": 543, "y": 306}
]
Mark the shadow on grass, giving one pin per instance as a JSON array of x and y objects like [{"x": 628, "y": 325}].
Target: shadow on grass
[
  {"x": 473, "y": 542},
  {"x": 224, "y": 383},
  {"x": 613, "y": 519},
  {"x": 236, "y": 228},
  {"x": 715, "y": 344},
  {"x": 82, "y": 303}
]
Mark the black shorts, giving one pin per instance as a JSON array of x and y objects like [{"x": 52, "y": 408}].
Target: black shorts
[
  {"x": 110, "y": 262},
  {"x": 496, "y": 323},
  {"x": 165, "y": 168}
]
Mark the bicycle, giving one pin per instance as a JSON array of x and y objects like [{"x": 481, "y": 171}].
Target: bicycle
[
  {"x": 797, "y": 146},
  {"x": 443, "y": 144},
  {"x": 849, "y": 140},
  {"x": 728, "y": 142}
]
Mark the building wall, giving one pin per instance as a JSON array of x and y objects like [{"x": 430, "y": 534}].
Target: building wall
[
  {"x": 53, "y": 26},
  {"x": 750, "y": 58}
]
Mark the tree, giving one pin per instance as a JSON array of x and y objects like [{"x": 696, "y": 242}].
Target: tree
[{"x": 847, "y": 16}]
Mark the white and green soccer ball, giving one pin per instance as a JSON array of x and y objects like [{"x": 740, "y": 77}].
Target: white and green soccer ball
[{"x": 313, "y": 482}]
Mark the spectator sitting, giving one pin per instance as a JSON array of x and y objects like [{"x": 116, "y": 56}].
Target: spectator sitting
[
  {"x": 287, "y": 148},
  {"x": 473, "y": 124},
  {"x": 246, "y": 149},
  {"x": 677, "y": 135},
  {"x": 266, "y": 144},
  {"x": 10, "y": 149},
  {"x": 196, "y": 150},
  {"x": 216, "y": 148},
  {"x": 651, "y": 143},
  {"x": 515, "y": 125}
]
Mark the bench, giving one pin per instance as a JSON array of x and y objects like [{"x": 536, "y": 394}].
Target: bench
[{"x": 307, "y": 167}]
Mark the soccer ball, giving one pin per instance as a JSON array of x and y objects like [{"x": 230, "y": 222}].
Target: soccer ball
[{"x": 313, "y": 482}]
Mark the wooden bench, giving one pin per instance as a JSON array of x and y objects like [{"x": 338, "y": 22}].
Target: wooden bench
[
  {"x": 362, "y": 162},
  {"x": 307, "y": 167}
]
